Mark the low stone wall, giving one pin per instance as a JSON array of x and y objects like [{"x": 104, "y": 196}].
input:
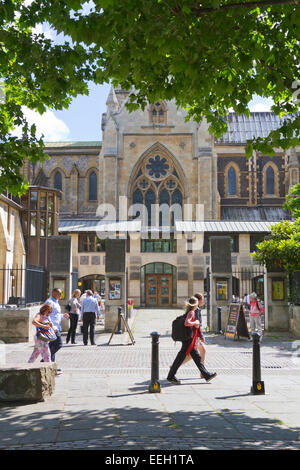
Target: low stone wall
[
  {"x": 27, "y": 382},
  {"x": 16, "y": 324},
  {"x": 295, "y": 320}
]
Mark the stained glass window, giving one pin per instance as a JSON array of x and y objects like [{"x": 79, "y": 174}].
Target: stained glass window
[
  {"x": 231, "y": 182},
  {"x": 157, "y": 167},
  {"x": 150, "y": 201},
  {"x": 158, "y": 113},
  {"x": 58, "y": 181},
  {"x": 270, "y": 180},
  {"x": 176, "y": 206},
  {"x": 93, "y": 187}
]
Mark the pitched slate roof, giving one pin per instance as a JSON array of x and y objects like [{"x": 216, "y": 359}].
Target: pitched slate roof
[{"x": 242, "y": 127}]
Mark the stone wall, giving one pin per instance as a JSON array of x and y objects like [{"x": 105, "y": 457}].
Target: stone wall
[
  {"x": 16, "y": 324},
  {"x": 295, "y": 320},
  {"x": 28, "y": 382}
]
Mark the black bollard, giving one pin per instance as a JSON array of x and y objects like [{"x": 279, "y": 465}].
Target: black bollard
[
  {"x": 119, "y": 330},
  {"x": 154, "y": 386},
  {"x": 219, "y": 320},
  {"x": 258, "y": 387}
]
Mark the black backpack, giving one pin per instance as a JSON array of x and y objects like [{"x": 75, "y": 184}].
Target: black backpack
[{"x": 179, "y": 331}]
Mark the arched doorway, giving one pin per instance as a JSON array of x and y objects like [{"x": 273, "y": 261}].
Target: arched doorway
[
  {"x": 158, "y": 285},
  {"x": 94, "y": 282}
]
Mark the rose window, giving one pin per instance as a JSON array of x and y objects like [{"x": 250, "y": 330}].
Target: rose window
[{"x": 157, "y": 167}]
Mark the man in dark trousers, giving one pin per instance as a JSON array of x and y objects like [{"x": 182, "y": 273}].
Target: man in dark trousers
[{"x": 89, "y": 312}]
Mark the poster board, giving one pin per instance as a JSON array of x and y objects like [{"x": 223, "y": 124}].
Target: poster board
[
  {"x": 221, "y": 289},
  {"x": 114, "y": 289},
  {"x": 236, "y": 323},
  {"x": 277, "y": 289}
]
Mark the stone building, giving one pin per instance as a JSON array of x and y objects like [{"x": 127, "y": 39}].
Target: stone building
[
  {"x": 153, "y": 158},
  {"x": 12, "y": 248}
]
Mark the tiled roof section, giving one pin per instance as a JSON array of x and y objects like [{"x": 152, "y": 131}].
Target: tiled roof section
[
  {"x": 270, "y": 214},
  {"x": 96, "y": 143},
  {"x": 241, "y": 127},
  {"x": 41, "y": 179},
  {"x": 225, "y": 226},
  {"x": 97, "y": 225}
]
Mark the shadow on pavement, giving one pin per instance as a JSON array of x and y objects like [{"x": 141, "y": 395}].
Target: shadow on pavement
[{"x": 145, "y": 427}]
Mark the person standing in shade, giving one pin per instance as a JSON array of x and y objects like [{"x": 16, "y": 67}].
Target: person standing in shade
[
  {"x": 189, "y": 345},
  {"x": 56, "y": 317},
  {"x": 89, "y": 312},
  {"x": 74, "y": 315}
]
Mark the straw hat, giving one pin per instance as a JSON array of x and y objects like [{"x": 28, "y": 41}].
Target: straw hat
[{"x": 192, "y": 302}]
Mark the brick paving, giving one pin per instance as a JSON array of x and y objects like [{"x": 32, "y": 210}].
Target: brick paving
[{"x": 101, "y": 400}]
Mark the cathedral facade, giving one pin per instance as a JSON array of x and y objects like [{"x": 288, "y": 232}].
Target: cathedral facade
[{"x": 166, "y": 185}]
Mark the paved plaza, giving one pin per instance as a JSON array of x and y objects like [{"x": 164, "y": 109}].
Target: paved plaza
[{"x": 101, "y": 400}]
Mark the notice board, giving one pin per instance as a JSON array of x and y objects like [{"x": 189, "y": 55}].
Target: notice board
[{"x": 236, "y": 323}]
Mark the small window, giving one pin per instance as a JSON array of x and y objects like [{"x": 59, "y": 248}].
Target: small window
[
  {"x": 158, "y": 113},
  {"x": 58, "y": 181},
  {"x": 234, "y": 243},
  {"x": 93, "y": 187},
  {"x": 231, "y": 182},
  {"x": 270, "y": 176},
  {"x": 90, "y": 243},
  {"x": 254, "y": 240}
]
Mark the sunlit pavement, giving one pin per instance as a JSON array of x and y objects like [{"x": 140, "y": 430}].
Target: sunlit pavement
[{"x": 101, "y": 400}]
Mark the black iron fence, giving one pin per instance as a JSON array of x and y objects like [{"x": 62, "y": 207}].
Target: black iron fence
[
  {"x": 294, "y": 288},
  {"x": 246, "y": 280},
  {"x": 22, "y": 285}
]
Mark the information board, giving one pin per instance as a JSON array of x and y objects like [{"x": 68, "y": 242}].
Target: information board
[{"x": 236, "y": 324}]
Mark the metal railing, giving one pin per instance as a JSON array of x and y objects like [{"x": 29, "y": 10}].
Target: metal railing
[
  {"x": 246, "y": 280},
  {"x": 294, "y": 288},
  {"x": 21, "y": 285}
]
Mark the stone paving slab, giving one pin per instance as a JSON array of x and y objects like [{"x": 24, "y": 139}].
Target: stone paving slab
[{"x": 109, "y": 407}]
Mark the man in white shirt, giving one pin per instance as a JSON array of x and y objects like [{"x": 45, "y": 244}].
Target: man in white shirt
[{"x": 89, "y": 312}]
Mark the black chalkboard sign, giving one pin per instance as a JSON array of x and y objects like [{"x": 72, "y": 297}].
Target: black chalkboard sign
[{"x": 236, "y": 324}]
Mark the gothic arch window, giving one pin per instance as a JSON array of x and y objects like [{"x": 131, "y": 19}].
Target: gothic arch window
[
  {"x": 270, "y": 180},
  {"x": 231, "y": 182},
  {"x": 232, "y": 177},
  {"x": 158, "y": 113},
  {"x": 93, "y": 184},
  {"x": 156, "y": 185},
  {"x": 58, "y": 184}
]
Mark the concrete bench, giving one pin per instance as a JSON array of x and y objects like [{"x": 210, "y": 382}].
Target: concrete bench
[
  {"x": 30, "y": 382},
  {"x": 16, "y": 324}
]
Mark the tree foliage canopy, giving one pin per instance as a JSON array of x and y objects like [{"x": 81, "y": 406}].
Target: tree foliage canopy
[
  {"x": 282, "y": 246},
  {"x": 293, "y": 201},
  {"x": 210, "y": 57},
  {"x": 36, "y": 73}
]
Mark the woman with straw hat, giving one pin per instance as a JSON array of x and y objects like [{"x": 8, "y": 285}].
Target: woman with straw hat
[{"x": 189, "y": 345}]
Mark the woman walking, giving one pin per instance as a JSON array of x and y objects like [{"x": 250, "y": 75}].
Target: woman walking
[
  {"x": 200, "y": 339},
  {"x": 74, "y": 315},
  {"x": 41, "y": 320},
  {"x": 189, "y": 345}
]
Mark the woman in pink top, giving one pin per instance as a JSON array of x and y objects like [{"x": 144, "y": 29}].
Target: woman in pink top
[
  {"x": 256, "y": 310},
  {"x": 189, "y": 345},
  {"x": 200, "y": 339}
]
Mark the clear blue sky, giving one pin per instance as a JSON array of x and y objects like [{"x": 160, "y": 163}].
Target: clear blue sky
[{"x": 83, "y": 117}]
